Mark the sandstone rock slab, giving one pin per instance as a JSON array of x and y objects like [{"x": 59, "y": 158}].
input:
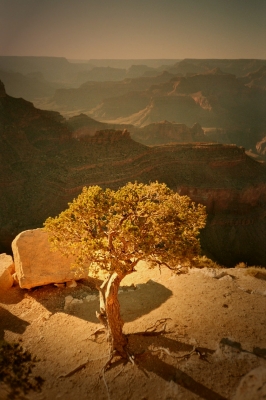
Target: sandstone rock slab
[
  {"x": 6, "y": 270},
  {"x": 37, "y": 265}
]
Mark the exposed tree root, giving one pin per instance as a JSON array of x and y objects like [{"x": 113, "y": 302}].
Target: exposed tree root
[
  {"x": 104, "y": 369},
  {"x": 121, "y": 370},
  {"x": 105, "y": 384},
  {"x": 112, "y": 355},
  {"x": 152, "y": 331},
  {"x": 98, "y": 331},
  {"x": 133, "y": 359},
  {"x": 166, "y": 351}
]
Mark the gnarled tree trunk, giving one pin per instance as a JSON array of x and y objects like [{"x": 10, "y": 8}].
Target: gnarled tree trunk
[{"x": 110, "y": 316}]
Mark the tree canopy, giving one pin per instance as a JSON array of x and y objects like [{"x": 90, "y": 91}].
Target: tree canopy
[{"x": 111, "y": 231}]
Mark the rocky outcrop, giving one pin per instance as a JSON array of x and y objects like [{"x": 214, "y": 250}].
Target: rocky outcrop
[
  {"x": 7, "y": 270},
  {"x": 37, "y": 265},
  {"x": 81, "y": 126}
]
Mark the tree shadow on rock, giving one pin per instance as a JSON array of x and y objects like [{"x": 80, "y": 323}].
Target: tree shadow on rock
[
  {"x": 150, "y": 361},
  {"x": 146, "y": 298},
  {"x": 170, "y": 373},
  {"x": 10, "y": 322},
  {"x": 134, "y": 301},
  {"x": 13, "y": 295}
]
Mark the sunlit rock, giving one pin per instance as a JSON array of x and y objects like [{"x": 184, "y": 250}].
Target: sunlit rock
[
  {"x": 37, "y": 265},
  {"x": 6, "y": 271}
]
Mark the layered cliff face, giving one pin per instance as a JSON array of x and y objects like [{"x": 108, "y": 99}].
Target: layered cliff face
[
  {"x": 163, "y": 132},
  {"x": 166, "y": 132},
  {"x": 92, "y": 94},
  {"x": 227, "y": 97},
  {"x": 236, "y": 223},
  {"x": 213, "y": 98},
  {"x": 30, "y": 87},
  {"x": 43, "y": 168},
  {"x": 256, "y": 79}
]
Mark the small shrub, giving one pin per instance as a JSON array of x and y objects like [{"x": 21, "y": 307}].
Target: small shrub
[
  {"x": 16, "y": 370},
  {"x": 241, "y": 265},
  {"x": 204, "y": 262}
]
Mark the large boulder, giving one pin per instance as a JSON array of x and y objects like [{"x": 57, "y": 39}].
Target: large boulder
[
  {"x": 37, "y": 265},
  {"x": 7, "y": 269}
]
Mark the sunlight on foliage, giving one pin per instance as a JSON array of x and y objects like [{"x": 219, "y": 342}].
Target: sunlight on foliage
[
  {"x": 204, "y": 262},
  {"x": 111, "y": 231},
  {"x": 241, "y": 265}
]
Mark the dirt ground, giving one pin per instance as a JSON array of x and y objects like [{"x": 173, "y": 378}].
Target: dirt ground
[{"x": 223, "y": 317}]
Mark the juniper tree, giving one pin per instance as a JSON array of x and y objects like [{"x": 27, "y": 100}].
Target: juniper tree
[{"x": 111, "y": 231}]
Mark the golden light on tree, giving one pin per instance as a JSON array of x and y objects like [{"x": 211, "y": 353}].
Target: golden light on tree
[{"x": 111, "y": 231}]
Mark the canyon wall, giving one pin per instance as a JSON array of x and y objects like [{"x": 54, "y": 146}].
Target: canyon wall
[{"x": 43, "y": 168}]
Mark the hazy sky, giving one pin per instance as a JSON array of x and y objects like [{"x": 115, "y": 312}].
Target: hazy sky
[{"x": 84, "y": 29}]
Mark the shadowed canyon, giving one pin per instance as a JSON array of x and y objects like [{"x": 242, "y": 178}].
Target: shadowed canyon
[{"x": 186, "y": 124}]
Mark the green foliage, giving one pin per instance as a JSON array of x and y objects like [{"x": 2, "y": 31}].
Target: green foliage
[
  {"x": 205, "y": 262},
  {"x": 112, "y": 230},
  {"x": 241, "y": 265},
  {"x": 16, "y": 370}
]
